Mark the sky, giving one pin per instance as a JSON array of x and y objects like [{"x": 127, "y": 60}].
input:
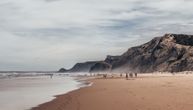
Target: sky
[{"x": 45, "y": 35}]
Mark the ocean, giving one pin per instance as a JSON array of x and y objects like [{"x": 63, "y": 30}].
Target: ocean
[{"x": 22, "y": 92}]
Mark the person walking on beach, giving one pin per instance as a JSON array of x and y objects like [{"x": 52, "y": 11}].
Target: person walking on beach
[
  {"x": 105, "y": 76},
  {"x": 135, "y": 74},
  {"x": 127, "y": 76}
]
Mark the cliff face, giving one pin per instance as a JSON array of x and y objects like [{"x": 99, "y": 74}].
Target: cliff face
[
  {"x": 100, "y": 67},
  {"x": 112, "y": 59},
  {"x": 81, "y": 67},
  {"x": 171, "y": 52},
  {"x": 62, "y": 70}
]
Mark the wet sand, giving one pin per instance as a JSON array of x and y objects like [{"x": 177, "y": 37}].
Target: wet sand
[
  {"x": 22, "y": 93},
  {"x": 147, "y": 92}
]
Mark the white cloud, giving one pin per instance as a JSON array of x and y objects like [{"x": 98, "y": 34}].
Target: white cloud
[{"x": 49, "y": 34}]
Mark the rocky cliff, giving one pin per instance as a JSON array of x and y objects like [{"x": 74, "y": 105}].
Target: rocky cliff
[
  {"x": 62, "y": 70},
  {"x": 171, "y": 52},
  {"x": 100, "y": 67},
  {"x": 80, "y": 67}
]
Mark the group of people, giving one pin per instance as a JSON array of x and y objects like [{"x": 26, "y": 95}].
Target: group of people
[{"x": 130, "y": 75}]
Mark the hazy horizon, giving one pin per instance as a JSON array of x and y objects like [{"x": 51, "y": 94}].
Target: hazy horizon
[{"x": 45, "y": 35}]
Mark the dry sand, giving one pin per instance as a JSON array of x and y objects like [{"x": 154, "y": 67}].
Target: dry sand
[{"x": 147, "y": 92}]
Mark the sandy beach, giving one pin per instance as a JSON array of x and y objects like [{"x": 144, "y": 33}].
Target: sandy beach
[{"x": 147, "y": 92}]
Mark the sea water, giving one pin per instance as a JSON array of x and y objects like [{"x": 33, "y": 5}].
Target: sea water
[{"x": 23, "y": 93}]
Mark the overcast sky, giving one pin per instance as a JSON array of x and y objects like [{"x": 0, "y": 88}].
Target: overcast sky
[{"x": 49, "y": 34}]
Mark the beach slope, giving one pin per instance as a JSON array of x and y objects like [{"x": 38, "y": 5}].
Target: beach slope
[{"x": 143, "y": 93}]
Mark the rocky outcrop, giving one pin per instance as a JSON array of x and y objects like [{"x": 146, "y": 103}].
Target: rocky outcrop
[
  {"x": 171, "y": 52},
  {"x": 100, "y": 67},
  {"x": 62, "y": 70},
  {"x": 82, "y": 67},
  {"x": 112, "y": 59}
]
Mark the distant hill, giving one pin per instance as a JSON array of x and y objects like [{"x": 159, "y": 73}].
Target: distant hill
[
  {"x": 171, "y": 52},
  {"x": 80, "y": 67}
]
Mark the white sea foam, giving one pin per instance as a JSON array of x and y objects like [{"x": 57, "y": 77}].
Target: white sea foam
[{"x": 22, "y": 93}]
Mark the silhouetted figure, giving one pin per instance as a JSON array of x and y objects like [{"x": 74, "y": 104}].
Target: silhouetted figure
[
  {"x": 135, "y": 74},
  {"x": 127, "y": 76},
  {"x": 104, "y": 75}
]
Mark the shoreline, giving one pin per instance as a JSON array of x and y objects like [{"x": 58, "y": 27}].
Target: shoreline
[
  {"x": 84, "y": 82},
  {"x": 142, "y": 93},
  {"x": 24, "y": 93}
]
